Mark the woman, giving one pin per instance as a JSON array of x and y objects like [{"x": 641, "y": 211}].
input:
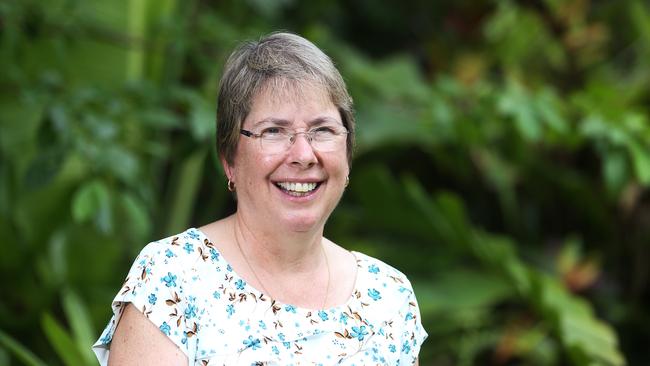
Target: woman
[{"x": 263, "y": 286}]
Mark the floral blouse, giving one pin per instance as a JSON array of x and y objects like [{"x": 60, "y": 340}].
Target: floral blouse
[{"x": 185, "y": 287}]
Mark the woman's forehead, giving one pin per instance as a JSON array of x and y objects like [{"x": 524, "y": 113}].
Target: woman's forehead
[
  {"x": 277, "y": 103},
  {"x": 283, "y": 90}
]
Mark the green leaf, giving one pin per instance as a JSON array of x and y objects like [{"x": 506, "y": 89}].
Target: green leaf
[
  {"x": 202, "y": 118},
  {"x": 615, "y": 170},
  {"x": 137, "y": 216},
  {"x": 44, "y": 168},
  {"x": 641, "y": 162},
  {"x": 462, "y": 288},
  {"x": 61, "y": 341},
  {"x": 89, "y": 200},
  {"x": 82, "y": 329},
  {"x": 21, "y": 352},
  {"x": 188, "y": 177}
]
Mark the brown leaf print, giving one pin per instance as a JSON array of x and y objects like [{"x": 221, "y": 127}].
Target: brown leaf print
[
  {"x": 274, "y": 307},
  {"x": 126, "y": 289},
  {"x": 208, "y": 243},
  {"x": 397, "y": 279}
]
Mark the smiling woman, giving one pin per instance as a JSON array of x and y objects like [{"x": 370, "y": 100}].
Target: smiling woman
[{"x": 264, "y": 286}]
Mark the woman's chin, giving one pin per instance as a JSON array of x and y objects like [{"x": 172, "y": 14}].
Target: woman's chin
[{"x": 303, "y": 223}]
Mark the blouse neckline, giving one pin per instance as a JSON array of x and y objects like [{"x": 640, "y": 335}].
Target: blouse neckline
[{"x": 351, "y": 300}]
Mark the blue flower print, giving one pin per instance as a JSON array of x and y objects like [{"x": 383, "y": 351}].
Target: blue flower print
[
  {"x": 322, "y": 315},
  {"x": 216, "y": 295},
  {"x": 165, "y": 328},
  {"x": 230, "y": 310},
  {"x": 193, "y": 234},
  {"x": 344, "y": 318},
  {"x": 262, "y": 324},
  {"x": 152, "y": 299},
  {"x": 392, "y": 348},
  {"x": 286, "y": 345},
  {"x": 106, "y": 339},
  {"x": 169, "y": 280},
  {"x": 169, "y": 253},
  {"x": 252, "y": 343},
  {"x": 359, "y": 332},
  {"x": 373, "y": 269},
  {"x": 229, "y": 268},
  {"x": 214, "y": 255},
  {"x": 190, "y": 311},
  {"x": 409, "y": 316},
  {"x": 189, "y": 248},
  {"x": 240, "y": 284},
  {"x": 374, "y": 294},
  {"x": 281, "y": 336},
  {"x": 290, "y": 309},
  {"x": 275, "y": 350},
  {"x": 406, "y": 348}
]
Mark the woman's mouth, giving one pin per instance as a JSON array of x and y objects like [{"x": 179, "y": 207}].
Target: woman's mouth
[{"x": 298, "y": 189}]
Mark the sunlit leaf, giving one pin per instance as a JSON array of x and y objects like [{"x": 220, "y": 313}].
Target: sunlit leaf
[{"x": 60, "y": 339}]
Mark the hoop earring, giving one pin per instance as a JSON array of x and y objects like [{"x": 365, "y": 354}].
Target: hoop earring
[
  {"x": 231, "y": 185},
  {"x": 347, "y": 181}
]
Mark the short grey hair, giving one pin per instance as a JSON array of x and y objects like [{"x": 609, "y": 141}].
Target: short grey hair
[{"x": 276, "y": 58}]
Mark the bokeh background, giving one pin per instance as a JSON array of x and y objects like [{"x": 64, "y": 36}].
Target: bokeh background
[{"x": 503, "y": 162}]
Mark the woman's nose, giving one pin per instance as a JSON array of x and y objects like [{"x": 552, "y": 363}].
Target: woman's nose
[{"x": 301, "y": 152}]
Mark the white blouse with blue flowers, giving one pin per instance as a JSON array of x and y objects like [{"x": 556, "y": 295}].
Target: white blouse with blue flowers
[{"x": 185, "y": 287}]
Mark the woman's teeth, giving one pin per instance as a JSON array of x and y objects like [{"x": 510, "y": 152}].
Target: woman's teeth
[{"x": 297, "y": 189}]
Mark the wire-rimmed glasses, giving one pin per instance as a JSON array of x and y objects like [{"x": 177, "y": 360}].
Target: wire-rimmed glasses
[{"x": 276, "y": 139}]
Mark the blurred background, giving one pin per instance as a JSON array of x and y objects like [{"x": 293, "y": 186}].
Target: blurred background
[{"x": 503, "y": 162}]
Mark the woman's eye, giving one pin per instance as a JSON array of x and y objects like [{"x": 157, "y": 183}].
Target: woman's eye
[
  {"x": 324, "y": 130},
  {"x": 272, "y": 131}
]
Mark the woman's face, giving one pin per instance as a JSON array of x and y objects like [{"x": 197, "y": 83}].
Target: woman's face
[{"x": 266, "y": 184}]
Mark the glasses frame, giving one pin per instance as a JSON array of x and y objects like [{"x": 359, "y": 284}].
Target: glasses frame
[{"x": 309, "y": 135}]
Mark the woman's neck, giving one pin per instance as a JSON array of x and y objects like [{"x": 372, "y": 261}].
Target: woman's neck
[{"x": 276, "y": 250}]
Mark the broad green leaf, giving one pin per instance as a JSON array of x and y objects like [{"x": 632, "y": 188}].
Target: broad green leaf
[
  {"x": 61, "y": 341},
  {"x": 21, "y": 352},
  {"x": 80, "y": 322},
  {"x": 202, "y": 118},
  {"x": 44, "y": 168},
  {"x": 461, "y": 288},
  {"x": 641, "y": 162},
  {"x": 136, "y": 216},
  {"x": 188, "y": 177},
  {"x": 89, "y": 200}
]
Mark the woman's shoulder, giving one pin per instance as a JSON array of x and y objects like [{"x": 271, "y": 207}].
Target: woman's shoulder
[
  {"x": 179, "y": 249},
  {"x": 379, "y": 268},
  {"x": 379, "y": 280}
]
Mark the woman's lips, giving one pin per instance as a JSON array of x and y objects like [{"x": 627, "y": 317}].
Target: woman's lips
[{"x": 298, "y": 189}]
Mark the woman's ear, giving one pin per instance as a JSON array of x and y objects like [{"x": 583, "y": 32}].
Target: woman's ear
[{"x": 227, "y": 168}]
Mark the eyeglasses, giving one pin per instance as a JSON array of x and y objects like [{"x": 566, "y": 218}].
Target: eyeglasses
[{"x": 275, "y": 140}]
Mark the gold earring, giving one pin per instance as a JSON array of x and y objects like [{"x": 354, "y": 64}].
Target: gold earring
[
  {"x": 347, "y": 181},
  {"x": 231, "y": 185}
]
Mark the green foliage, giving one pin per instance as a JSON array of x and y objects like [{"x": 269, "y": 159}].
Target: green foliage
[{"x": 503, "y": 163}]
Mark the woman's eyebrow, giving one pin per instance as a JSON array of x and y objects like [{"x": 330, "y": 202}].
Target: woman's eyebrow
[
  {"x": 273, "y": 121},
  {"x": 283, "y": 122},
  {"x": 323, "y": 120}
]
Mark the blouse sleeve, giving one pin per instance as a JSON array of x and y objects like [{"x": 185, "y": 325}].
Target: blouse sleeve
[
  {"x": 156, "y": 285},
  {"x": 412, "y": 333}
]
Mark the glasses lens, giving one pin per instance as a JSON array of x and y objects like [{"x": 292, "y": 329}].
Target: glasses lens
[
  {"x": 274, "y": 143},
  {"x": 328, "y": 143}
]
